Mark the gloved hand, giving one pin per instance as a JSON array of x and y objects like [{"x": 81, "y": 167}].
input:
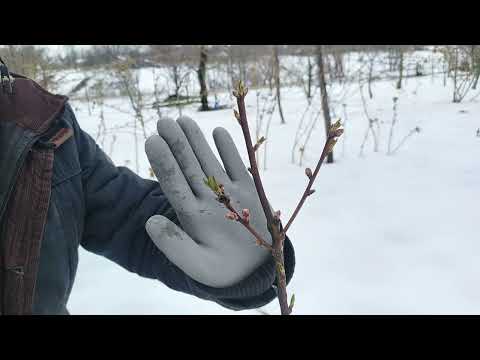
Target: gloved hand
[{"x": 211, "y": 249}]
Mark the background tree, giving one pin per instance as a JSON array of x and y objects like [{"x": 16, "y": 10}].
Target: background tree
[
  {"x": 202, "y": 74},
  {"x": 324, "y": 95},
  {"x": 276, "y": 67}
]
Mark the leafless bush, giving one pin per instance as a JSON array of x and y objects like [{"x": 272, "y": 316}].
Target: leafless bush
[
  {"x": 304, "y": 131},
  {"x": 266, "y": 103},
  {"x": 372, "y": 123},
  {"x": 32, "y": 62},
  {"x": 463, "y": 64},
  {"x": 309, "y": 131},
  {"x": 130, "y": 87},
  {"x": 392, "y": 126},
  {"x": 99, "y": 100},
  {"x": 178, "y": 63},
  {"x": 391, "y": 150}
]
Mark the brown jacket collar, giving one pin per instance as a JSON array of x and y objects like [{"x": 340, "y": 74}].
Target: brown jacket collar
[{"x": 30, "y": 106}]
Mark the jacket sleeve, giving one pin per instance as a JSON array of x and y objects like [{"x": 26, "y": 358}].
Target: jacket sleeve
[{"x": 117, "y": 205}]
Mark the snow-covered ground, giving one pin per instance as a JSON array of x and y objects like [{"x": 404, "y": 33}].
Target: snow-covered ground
[{"x": 381, "y": 235}]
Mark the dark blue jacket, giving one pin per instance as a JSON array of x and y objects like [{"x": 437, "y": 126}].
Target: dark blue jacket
[{"x": 104, "y": 208}]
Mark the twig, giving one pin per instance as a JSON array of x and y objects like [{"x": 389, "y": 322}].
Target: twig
[
  {"x": 240, "y": 94},
  {"x": 334, "y": 132},
  {"x": 273, "y": 220},
  {"x": 370, "y": 126},
  {"x": 233, "y": 214},
  {"x": 244, "y": 221},
  {"x": 413, "y": 131},
  {"x": 309, "y": 130},
  {"x": 267, "y": 130},
  {"x": 394, "y": 121},
  {"x": 299, "y": 128}
]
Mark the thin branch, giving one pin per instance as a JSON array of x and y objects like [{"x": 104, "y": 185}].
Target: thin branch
[
  {"x": 259, "y": 240},
  {"x": 242, "y": 118},
  {"x": 405, "y": 138},
  {"x": 334, "y": 132},
  {"x": 273, "y": 222}
]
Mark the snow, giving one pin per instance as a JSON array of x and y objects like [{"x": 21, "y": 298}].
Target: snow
[{"x": 381, "y": 235}]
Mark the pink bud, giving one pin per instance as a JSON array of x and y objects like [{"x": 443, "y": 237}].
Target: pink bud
[{"x": 246, "y": 215}]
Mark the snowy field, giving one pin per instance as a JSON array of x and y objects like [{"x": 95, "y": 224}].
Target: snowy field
[{"x": 382, "y": 234}]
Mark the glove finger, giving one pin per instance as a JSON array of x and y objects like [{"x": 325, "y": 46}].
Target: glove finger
[
  {"x": 207, "y": 159},
  {"x": 230, "y": 157},
  {"x": 168, "y": 173},
  {"x": 192, "y": 258},
  {"x": 171, "y": 132}
]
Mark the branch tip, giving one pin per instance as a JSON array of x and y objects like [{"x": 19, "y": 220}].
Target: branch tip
[
  {"x": 336, "y": 125},
  {"x": 240, "y": 90},
  {"x": 335, "y": 129}
]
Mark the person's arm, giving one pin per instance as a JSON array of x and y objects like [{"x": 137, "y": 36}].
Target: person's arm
[{"x": 118, "y": 203}]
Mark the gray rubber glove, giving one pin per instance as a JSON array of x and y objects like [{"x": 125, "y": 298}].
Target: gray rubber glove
[{"x": 211, "y": 249}]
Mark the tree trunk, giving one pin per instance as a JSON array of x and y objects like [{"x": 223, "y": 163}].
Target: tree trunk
[
  {"x": 310, "y": 78},
  {"x": 202, "y": 72},
  {"x": 276, "y": 69},
  {"x": 176, "y": 81},
  {"x": 339, "y": 73},
  {"x": 475, "y": 82},
  {"x": 370, "y": 75},
  {"x": 324, "y": 95},
  {"x": 455, "y": 73},
  {"x": 400, "y": 71},
  {"x": 243, "y": 71}
]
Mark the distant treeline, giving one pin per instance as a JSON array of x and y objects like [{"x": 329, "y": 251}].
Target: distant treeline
[
  {"x": 169, "y": 54},
  {"x": 22, "y": 56}
]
